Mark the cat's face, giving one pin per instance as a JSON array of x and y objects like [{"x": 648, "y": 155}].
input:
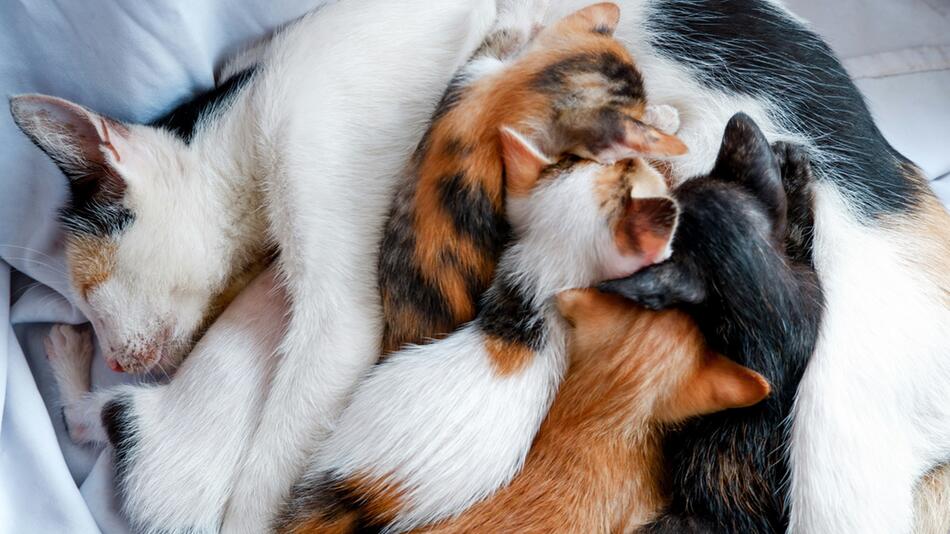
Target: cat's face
[
  {"x": 140, "y": 271},
  {"x": 659, "y": 359},
  {"x": 606, "y": 219}
]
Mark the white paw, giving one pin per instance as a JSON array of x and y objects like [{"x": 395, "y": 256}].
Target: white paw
[
  {"x": 79, "y": 432},
  {"x": 68, "y": 342},
  {"x": 663, "y": 117}
]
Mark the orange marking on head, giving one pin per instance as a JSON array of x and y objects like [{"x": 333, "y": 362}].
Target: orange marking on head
[{"x": 91, "y": 261}]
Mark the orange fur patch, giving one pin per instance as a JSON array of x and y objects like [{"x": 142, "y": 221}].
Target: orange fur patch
[
  {"x": 91, "y": 261},
  {"x": 596, "y": 464},
  {"x": 507, "y": 357}
]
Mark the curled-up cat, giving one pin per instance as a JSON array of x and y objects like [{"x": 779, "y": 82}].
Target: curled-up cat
[
  {"x": 742, "y": 269},
  {"x": 435, "y": 428},
  {"x": 596, "y": 465},
  {"x": 301, "y": 154},
  {"x": 571, "y": 89}
]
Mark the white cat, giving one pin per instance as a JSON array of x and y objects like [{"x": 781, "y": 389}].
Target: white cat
[{"x": 300, "y": 152}]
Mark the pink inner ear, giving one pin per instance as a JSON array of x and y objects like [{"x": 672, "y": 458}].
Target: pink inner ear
[{"x": 647, "y": 228}]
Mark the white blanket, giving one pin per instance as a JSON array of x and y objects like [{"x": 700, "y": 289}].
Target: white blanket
[{"x": 135, "y": 60}]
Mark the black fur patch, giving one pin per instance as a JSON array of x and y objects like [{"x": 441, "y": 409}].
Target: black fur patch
[
  {"x": 118, "y": 420},
  {"x": 322, "y": 498},
  {"x": 85, "y": 215},
  {"x": 473, "y": 214},
  {"x": 757, "y": 306},
  {"x": 626, "y": 84},
  {"x": 401, "y": 281},
  {"x": 185, "y": 119},
  {"x": 452, "y": 95},
  {"x": 751, "y": 47},
  {"x": 507, "y": 313}
]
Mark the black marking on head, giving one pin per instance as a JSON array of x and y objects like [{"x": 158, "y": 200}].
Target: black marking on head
[
  {"x": 750, "y": 47},
  {"x": 119, "y": 422},
  {"x": 603, "y": 30},
  {"x": 184, "y": 120},
  {"x": 507, "y": 313},
  {"x": 473, "y": 214},
  {"x": 94, "y": 217},
  {"x": 625, "y": 83}
]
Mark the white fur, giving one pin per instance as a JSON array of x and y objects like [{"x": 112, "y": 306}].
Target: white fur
[
  {"x": 304, "y": 156},
  {"x": 438, "y": 421},
  {"x": 342, "y": 100},
  {"x": 871, "y": 415},
  {"x": 189, "y": 434}
]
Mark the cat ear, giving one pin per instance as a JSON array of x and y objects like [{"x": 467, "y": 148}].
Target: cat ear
[
  {"x": 523, "y": 161},
  {"x": 745, "y": 157},
  {"x": 599, "y": 18},
  {"x": 659, "y": 286},
  {"x": 630, "y": 139},
  {"x": 84, "y": 144},
  {"x": 649, "y": 221},
  {"x": 719, "y": 384},
  {"x": 645, "y": 140}
]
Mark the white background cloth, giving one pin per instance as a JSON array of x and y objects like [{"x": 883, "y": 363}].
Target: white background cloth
[{"x": 134, "y": 60}]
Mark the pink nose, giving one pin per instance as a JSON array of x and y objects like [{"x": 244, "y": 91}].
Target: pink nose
[{"x": 116, "y": 366}]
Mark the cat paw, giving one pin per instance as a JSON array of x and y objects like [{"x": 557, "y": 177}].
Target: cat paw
[
  {"x": 68, "y": 342},
  {"x": 663, "y": 117}
]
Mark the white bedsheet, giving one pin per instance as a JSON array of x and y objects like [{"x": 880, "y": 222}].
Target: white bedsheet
[{"x": 134, "y": 60}]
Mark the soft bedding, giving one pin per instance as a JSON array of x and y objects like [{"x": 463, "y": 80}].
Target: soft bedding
[{"x": 135, "y": 60}]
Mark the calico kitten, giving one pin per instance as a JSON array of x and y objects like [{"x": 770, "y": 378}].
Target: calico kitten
[
  {"x": 572, "y": 89},
  {"x": 755, "y": 299},
  {"x": 596, "y": 464},
  {"x": 438, "y": 427}
]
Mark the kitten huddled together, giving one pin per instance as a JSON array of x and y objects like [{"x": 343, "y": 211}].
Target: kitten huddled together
[{"x": 510, "y": 395}]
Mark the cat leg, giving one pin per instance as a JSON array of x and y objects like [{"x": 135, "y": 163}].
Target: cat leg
[
  {"x": 178, "y": 446},
  {"x": 69, "y": 350}
]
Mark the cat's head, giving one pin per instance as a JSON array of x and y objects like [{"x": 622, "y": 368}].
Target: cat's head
[
  {"x": 139, "y": 270},
  {"x": 731, "y": 236},
  {"x": 587, "y": 92},
  {"x": 658, "y": 361},
  {"x": 604, "y": 220}
]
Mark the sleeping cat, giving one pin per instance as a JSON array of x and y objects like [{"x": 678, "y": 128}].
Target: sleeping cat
[
  {"x": 573, "y": 89},
  {"x": 271, "y": 457},
  {"x": 755, "y": 299},
  {"x": 881, "y": 237},
  {"x": 881, "y": 250},
  {"x": 597, "y": 462},
  {"x": 438, "y": 427},
  {"x": 301, "y": 154}
]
